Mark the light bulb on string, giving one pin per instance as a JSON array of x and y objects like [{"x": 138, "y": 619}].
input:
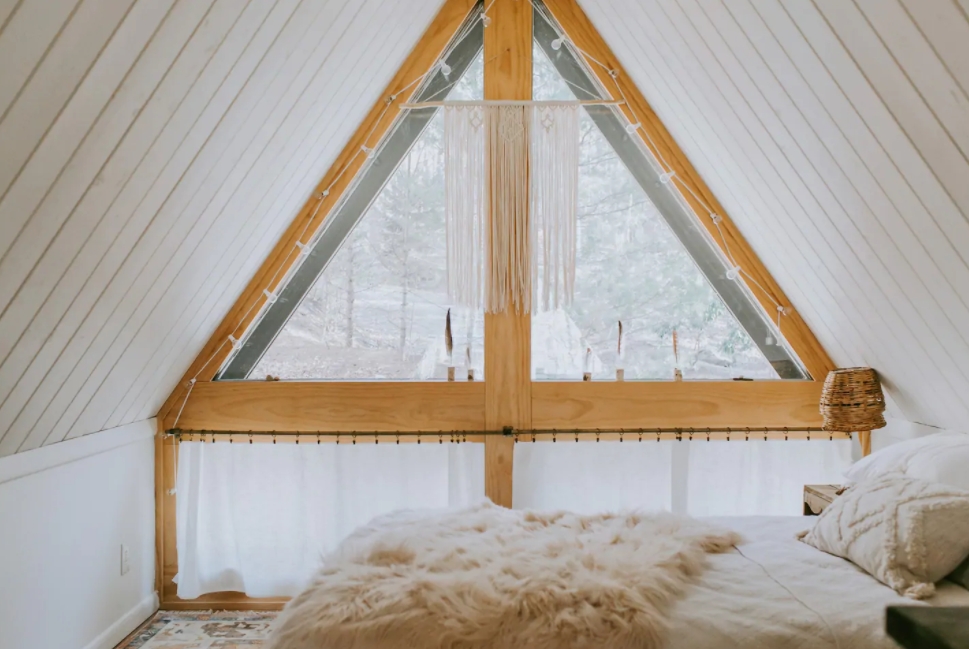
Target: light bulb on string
[
  {"x": 485, "y": 19},
  {"x": 631, "y": 128},
  {"x": 557, "y": 43},
  {"x": 445, "y": 70},
  {"x": 769, "y": 340},
  {"x": 733, "y": 273}
]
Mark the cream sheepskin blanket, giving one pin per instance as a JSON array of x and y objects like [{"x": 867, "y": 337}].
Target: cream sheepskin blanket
[{"x": 489, "y": 577}]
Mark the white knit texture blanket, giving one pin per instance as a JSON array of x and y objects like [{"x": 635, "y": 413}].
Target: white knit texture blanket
[{"x": 488, "y": 577}]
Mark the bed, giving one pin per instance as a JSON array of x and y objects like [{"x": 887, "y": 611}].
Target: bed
[
  {"x": 774, "y": 592},
  {"x": 491, "y": 578}
]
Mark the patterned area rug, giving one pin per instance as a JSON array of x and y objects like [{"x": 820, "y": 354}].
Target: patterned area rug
[{"x": 202, "y": 630}]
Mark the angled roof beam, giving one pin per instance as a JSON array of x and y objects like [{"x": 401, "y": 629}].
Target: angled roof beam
[
  {"x": 573, "y": 21},
  {"x": 682, "y": 221}
]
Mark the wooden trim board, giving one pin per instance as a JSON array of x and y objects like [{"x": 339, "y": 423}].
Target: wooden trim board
[
  {"x": 583, "y": 33},
  {"x": 507, "y": 75},
  {"x": 339, "y": 407},
  {"x": 645, "y": 404}
]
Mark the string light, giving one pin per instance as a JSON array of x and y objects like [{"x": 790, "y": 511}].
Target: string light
[
  {"x": 557, "y": 43},
  {"x": 631, "y": 128},
  {"x": 445, "y": 70},
  {"x": 733, "y": 274}
]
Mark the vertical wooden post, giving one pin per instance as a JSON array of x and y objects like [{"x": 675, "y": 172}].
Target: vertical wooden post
[
  {"x": 507, "y": 75},
  {"x": 864, "y": 438}
]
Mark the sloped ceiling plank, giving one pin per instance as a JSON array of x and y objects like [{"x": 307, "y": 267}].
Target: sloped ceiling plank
[
  {"x": 41, "y": 102},
  {"x": 302, "y": 171},
  {"x": 915, "y": 272},
  {"x": 946, "y": 27},
  {"x": 199, "y": 259},
  {"x": 76, "y": 147},
  {"x": 161, "y": 128},
  {"x": 231, "y": 67},
  {"x": 96, "y": 171},
  {"x": 854, "y": 230},
  {"x": 24, "y": 38},
  {"x": 249, "y": 246},
  {"x": 178, "y": 221}
]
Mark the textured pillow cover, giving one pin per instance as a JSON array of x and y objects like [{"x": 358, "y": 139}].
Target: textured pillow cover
[
  {"x": 940, "y": 457},
  {"x": 961, "y": 574},
  {"x": 904, "y": 532}
]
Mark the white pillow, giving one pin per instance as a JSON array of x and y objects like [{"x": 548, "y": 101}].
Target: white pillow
[
  {"x": 906, "y": 533},
  {"x": 941, "y": 457}
]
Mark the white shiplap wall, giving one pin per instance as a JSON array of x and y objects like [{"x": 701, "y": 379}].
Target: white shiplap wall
[
  {"x": 152, "y": 152},
  {"x": 836, "y": 134}
]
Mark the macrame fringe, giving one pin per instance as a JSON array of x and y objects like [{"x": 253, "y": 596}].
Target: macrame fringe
[
  {"x": 554, "y": 193},
  {"x": 495, "y": 252}
]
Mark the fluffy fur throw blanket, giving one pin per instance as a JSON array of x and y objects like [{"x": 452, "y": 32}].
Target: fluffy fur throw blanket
[{"x": 493, "y": 578}]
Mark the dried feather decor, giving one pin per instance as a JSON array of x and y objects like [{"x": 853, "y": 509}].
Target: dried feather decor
[
  {"x": 449, "y": 346},
  {"x": 677, "y": 374},
  {"x": 503, "y": 234},
  {"x": 620, "y": 369}
]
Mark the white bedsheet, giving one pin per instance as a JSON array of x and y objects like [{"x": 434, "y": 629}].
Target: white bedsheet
[{"x": 778, "y": 593}]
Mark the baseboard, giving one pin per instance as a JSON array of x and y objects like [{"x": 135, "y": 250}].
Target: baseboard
[{"x": 128, "y": 623}]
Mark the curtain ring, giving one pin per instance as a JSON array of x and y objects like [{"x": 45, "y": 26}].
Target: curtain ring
[
  {"x": 576, "y": 436},
  {"x": 679, "y": 434},
  {"x": 533, "y": 437},
  {"x": 398, "y": 438},
  {"x": 640, "y": 436},
  {"x": 691, "y": 434},
  {"x": 765, "y": 434},
  {"x": 375, "y": 440},
  {"x": 418, "y": 438},
  {"x": 213, "y": 437},
  {"x": 353, "y": 438},
  {"x": 597, "y": 435},
  {"x": 785, "y": 433},
  {"x": 274, "y": 438},
  {"x": 297, "y": 439},
  {"x": 708, "y": 433},
  {"x": 440, "y": 438},
  {"x": 516, "y": 438},
  {"x": 250, "y": 437},
  {"x": 657, "y": 437},
  {"x": 464, "y": 437},
  {"x": 554, "y": 436},
  {"x": 230, "y": 438},
  {"x": 338, "y": 439},
  {"x": 728, "y": 433},
  {"x": 317, "y": 439},
  {"x": 621, "y": 432},
  {"x": 747, "y": 434}
]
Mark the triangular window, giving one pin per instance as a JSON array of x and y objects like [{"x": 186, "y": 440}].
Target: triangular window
[
  {"x": 642, "y": 258},
  {"x": 371, "y": 297}
]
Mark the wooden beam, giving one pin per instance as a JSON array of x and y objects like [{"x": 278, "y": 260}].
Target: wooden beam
[
  {"x": 311, "y": 217},
  {"x": 635, "y": 404},
  {"x": 580, "y": 30},
  {"x": 507, "y": 75},
  {"x": 338, "y": 407}
]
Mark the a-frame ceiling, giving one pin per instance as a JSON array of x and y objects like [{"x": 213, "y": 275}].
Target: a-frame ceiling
[{"x": 153, "y": 151}]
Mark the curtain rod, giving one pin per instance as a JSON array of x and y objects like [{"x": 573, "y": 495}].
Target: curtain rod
[
  {"x": 514, "y": 432},
  {"x": 512, "y": 102}
]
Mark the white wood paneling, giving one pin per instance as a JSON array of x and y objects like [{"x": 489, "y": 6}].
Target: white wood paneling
[
  {"x": 153, "y": 151},
  {"x": 835, "y": 134}
]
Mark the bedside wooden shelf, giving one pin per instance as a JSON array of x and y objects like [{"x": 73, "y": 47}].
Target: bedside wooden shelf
[{"x": 819, "y": 496}]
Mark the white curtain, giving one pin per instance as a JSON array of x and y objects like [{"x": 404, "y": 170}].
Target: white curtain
[
  {"x": 257, "y": 518},
  {"x": 699, "y": 478}
]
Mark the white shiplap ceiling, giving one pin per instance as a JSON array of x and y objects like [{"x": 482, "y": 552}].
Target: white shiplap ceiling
[
  {"x": 153, "y": 150},
  {"x": 836, "y": 134}
]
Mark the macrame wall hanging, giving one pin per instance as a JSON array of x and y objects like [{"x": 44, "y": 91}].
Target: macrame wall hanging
[{"x": 511, "y": 175}]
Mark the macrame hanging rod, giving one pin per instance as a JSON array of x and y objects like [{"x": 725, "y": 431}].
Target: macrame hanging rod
[{"x": 512, "y": 102}]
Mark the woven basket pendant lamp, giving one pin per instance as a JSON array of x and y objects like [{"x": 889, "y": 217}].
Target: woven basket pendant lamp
[{"x": 852, "y": 402}]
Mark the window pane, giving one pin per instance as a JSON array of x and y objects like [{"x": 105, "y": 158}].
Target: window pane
[
  {"x": 378, "y": 309},
  {"x": 631, "y": 267}
]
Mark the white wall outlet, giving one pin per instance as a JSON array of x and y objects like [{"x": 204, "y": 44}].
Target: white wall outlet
[{"x": 125, "y": 560}]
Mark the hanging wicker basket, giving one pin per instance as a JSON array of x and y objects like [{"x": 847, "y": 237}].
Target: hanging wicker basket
[{"x": 852, "y": 400}]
